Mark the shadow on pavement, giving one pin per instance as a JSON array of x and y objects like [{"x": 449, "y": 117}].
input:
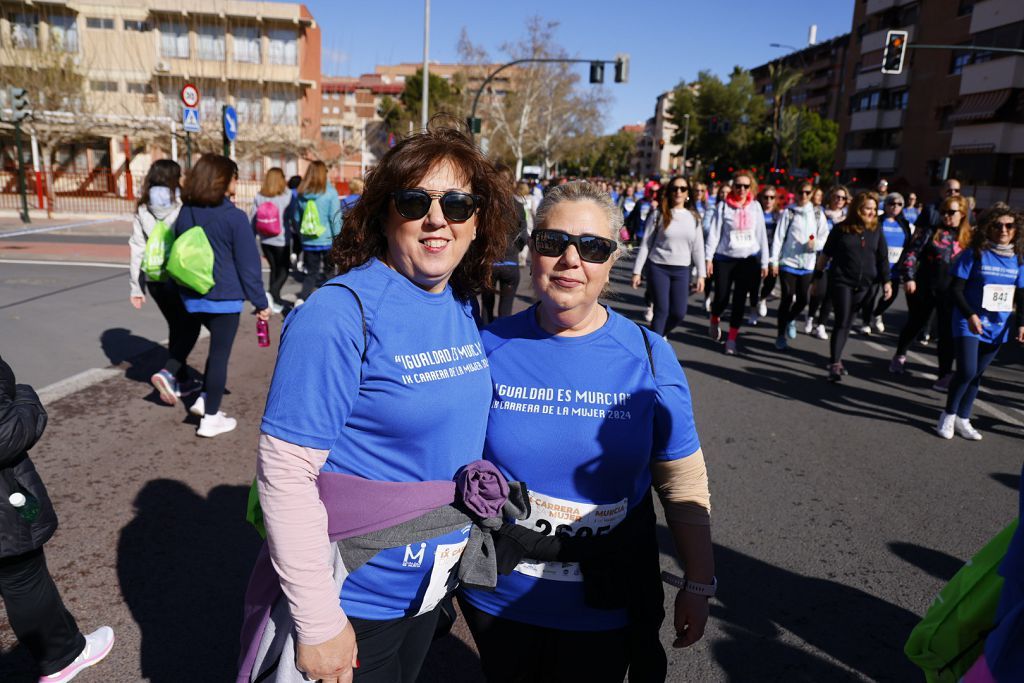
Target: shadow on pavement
[
  {"x": 183, "y": 564},
  {"x": 1010, "y": 480},
  {"x": 120, "y": 345},
  {"x": 935, "y": 562},
  {"x": 17, "y": 666}
]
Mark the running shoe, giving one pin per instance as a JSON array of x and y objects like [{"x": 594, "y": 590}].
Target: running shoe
[
  {"x": 707, "y": 304},
  {"x": 781, "y": 344},
  {"x": 189, "y": 387},
  {"x": 808, "y": 324},
  {"x": 835, "y": 372},
  {"x": 730, "y": 347},
  {"x": 947, "y": 423},
  {"x": 649, "y": 313},
  {"x": 865, "y": 330},
  {"x": 752, "y": 320},
  {"x": 762, "y": 307},
  {"x": 715, "y": 332},
  {"x": 198, "y": 408},
  {"x": 819, "y": 331},
  {"x": 965, "y": 429},
  {"x": 166, "y": 386},
  {"x": 275, "y": 307},
  {"x": 925, "y": 338},
  {"x": 97, "y": 646},
  {"x": 212, "y": 425},
  {"x": 877, "y": 323},
  {"x": 942, "y": 384},
  {"x": 791, "y": 329},
  {"x": 897, "y": 365}
]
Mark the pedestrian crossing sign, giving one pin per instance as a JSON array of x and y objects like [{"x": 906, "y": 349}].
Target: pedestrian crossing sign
[{"x": 190, "y": 119}]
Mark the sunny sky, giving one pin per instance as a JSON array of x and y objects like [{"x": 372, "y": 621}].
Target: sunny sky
[{"x": 667, "y": 41}]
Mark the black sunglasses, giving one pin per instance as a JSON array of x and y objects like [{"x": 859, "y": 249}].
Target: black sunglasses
[
  {"x": 679, "y": 188},
  {"x": 738, "y": 186},
  {"x": 456, "y": 206},
  {"x": 591, "y": 248},
  {"x": 806, "y": 191},
  {"x": 950, "y": 212},
  {"x": 999, "y": 227}
]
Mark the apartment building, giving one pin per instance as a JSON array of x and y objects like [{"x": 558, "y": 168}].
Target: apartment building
[
  {"x": 130, "y": 59},
  {"x": 352, "y": 131},
  {"x": 655, "y": 152},
  {"x": 951, "y": 113},
  {"x": 821, "y": 88}
]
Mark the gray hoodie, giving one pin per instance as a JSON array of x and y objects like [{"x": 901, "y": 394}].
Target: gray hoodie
[{"x": 142, "y": 224}]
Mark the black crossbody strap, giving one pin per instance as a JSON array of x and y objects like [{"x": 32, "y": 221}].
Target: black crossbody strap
[
  {"x": 362, "y": 315},
  {"x": 647, "y": 345}
]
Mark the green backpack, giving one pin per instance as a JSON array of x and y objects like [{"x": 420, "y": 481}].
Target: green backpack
[
  {"x": 158, "y": 248},
  {"x": 951, "y": 637},
  {"x": 191, "y": 260},
  {"x": 311, "y": 225}
]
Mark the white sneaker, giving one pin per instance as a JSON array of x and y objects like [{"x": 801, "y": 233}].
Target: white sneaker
[
  {"x": 752, "y": 320},
  {"x": 877, "y": 323},
  {"x": 212, "y": 425},
  {"x": 946, "y": 425},
  {"x": 199, "y": 407},
  {"x": 865, "y": 330},
  {"x": 707, "y": 304},
  {"x": 649, "y": 313},
  {"x": 965, "y": 429},
  {"x": 275, "y": 308},
  {"x": 808, "y": 324},
  {"x": 97, "y": 646},
  {"x": 762, "y": 307},
  {"x": 819, "y": 331},
  {"x": 298, "y": 302}
]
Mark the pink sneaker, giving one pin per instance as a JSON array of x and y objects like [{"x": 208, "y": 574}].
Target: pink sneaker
[{"x": 97, "y": 646}]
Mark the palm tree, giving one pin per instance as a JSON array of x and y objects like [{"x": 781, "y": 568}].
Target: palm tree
[{"x": 783, "y": 79}]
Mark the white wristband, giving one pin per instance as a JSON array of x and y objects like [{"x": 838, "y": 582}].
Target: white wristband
[{"x": 706, "y": 589}]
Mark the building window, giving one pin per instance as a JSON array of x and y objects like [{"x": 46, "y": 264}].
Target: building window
[
  {"x": 103, "y": 23},
  {"x": 898, "y": 99},
  {"x": 140, "y": 88},
  {"x": 284, "y": 109},
  {"x": 337, "y": 110},
  {"x": 25, "y": 30},
  {"x": 249, "y": 105},
  {"x": 327, "y": 110},
  {"x": 337, "y": 96},
  {"x": 350, "y": 98},
  {"x": 103, "y": 86},
  {"x": 247, "y": 44},
  {"x": 137, "y": 25},
  {"x": 64, "y": 33},
  {"x": 210, "y": 104},
  {"x": 210, "y": 43},
  {"x": 170, "y": 101},
  {"x": 173, "y": 39},
  {"x": 250, "y": 169},
  {"x": 283, "y": 46},
  {"x": 330, "y": 134}
]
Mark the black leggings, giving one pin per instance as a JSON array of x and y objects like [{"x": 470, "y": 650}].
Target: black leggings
[
  {"x": 794, "y": 297},
  {"x": 37, "y": 614},
  {"x": 182, "y": 331},
  {"x": 506, "y": 279},
  {"x": 223, "y": 327},
  {"x": 820, "y": 306},
  {"x": 846, "y": 300},
  {"x": 316, "y": 271},
  {"x": 514, "y": 652},
  {"x": 767, "y": 285},
  {"x": 280, "y": 264},
  {"x": 393, "y": 651},
  {"x": 920, "y": 305},
  {"x": 740, "y": 277}
]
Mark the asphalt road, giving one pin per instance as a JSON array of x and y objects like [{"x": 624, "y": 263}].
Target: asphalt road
[{"x": 838, "y": 514}]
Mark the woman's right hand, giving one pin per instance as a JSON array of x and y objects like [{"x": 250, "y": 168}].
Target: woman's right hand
[
  {"x": 331, "y": 661},
  {"x": 775, "y": 271},
  {"x": 974, "y": 323},
  {"x": 910, "y": 286},
  {"x": 137, "y": 301},
  {"x": 709, "y": 268},
  {"x": 636, "y": 282}
]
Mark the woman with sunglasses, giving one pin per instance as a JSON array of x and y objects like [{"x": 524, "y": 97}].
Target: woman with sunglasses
[
  {"x": 381, "y": 383},
  {"x": 768, "y": 197},
  {"x": 927, "y": 272},
  {"x": 801, "y": 234},
  {"x": 673, "y": 242},
  {"x": 591, "y": 407},
  {"x": 897, "y": 235},
  {"x": 737, "y": 244},
  {"x": 820, "y": 306},
  {"x": 988, "y": 284},
  {"x": 858, "y": 255}
]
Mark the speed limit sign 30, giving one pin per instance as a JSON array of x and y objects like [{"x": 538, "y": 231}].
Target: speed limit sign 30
[{"x": 190, "y": 95}]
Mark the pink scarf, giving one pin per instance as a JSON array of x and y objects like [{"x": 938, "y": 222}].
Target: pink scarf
[{"x": 742, "y": 220}]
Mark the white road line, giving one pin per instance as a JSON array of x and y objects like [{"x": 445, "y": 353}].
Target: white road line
[
  {"x": 66, "y": 226},
  {"x": 70, "y": 385},
  {"x": 87, "y": 264}
]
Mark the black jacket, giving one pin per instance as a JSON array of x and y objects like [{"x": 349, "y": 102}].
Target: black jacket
[
  {"x": 22, "y": 421},
  {"x": 858, "y": 259},
  {"x": 519, "y": 238}
]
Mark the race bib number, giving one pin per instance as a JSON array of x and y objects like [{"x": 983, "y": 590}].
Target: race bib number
[
  {"x": 550, "y": 516},
  {"x": 997, "y": 298},
  {"x": 443, "y": 577},
  {"x": 742, "y": 238},
  {"x": 894, "y": 254}
]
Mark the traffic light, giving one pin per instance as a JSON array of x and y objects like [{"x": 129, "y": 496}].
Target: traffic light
[
  {"x": 473, "y": 122},
  {"x": 895, "y": 49},
  {"x": 19, "y": 103},
  {"x": 597, "y": 72},
  {"x": 621, "y": 68}
]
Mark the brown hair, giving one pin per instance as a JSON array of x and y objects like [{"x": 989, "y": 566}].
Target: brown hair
[
  {"x": 274, "y": 183},
  {"x": 403, "y": 166},
  {"x": 666, "y": 206},
  {"x": 315, "y": 180},
  {"x": 964, "y": 230},
  {"x": 981, "y": 238},
  {"x": 854, "y": 222},
  {"x": 163, "y": 173},
  {"x": 355, "y": 186},
  {"x": 207, "y": 183}
]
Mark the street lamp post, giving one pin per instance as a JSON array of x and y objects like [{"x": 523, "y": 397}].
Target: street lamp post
[
  {"x": 426, "y": 65},
  {"x": 686, "y": 138}
]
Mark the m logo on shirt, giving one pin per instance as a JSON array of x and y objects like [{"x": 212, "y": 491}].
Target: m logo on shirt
[{"x": 414, "y": 559}]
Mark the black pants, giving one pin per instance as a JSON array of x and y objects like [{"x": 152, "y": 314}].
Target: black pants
[
  {"x": 506, "y": 280},
  {"x": 883, "y": 304},
  {"x": 795, "y": 289},
  {"x": 393, "y": 651},
  {"x": 38, "y": 616},
  {"x": 920, "y": 306},
  {"x": 846, "y": 300},
  {"x": 223, "y": 327},
  {"x": 182, "y": 330},
  {"x": 511, "y": 651},
  {"x": 767, "y": 285},
  {"x": 670, "y": 287},
  {"x": 316, "y": 271},
  {"x": 739, "y": 277},
  {"x": 821, "y": 303},
  {"x": 277, "y": 257}
]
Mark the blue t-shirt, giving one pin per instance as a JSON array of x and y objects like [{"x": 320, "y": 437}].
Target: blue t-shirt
[
  {"x": 769, "y": 224},
  {"x": 194, "y": 303},
  {"x": 991, "y": 285},
  {"x": 415, "y": 410},
  {"x": 894, "y": 240},
  {"x": 911, "y": 214},
  {"x": 579, "y": 419}
]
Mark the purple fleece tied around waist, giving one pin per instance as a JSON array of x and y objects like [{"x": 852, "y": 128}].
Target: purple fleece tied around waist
[{"x": 357, "y": 506}]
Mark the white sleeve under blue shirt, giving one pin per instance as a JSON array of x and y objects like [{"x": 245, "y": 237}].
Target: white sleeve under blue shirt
[
  {"x": 579, "y": 419},
  {"x": 992, "y": 280},
  {"x": 415, "y": 410}
]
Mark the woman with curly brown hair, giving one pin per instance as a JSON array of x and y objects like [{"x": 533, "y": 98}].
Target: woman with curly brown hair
[{"x": 381, "y": 384}]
